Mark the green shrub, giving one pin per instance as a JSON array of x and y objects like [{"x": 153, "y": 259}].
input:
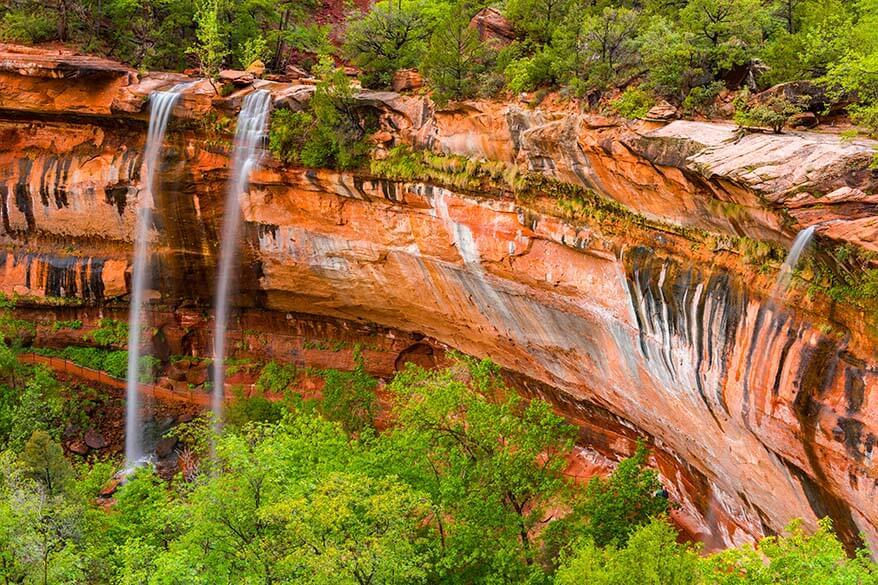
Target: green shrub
[
  {"x": 148, "y": 367},
  {"x": 866, "y": 116},
  {"x": 248, "y": 409},
  {"x": 770, "y": 112},
  {"x": 349, "y": 397},
  {"x": 629, "y": 498},
  {"x": 252, "y": 50},
  {"x": 23, "y": 26},
  {"x": 289, "y": 133},
  {"x": 652, "y": 555},
  {"x": 700, "y": 99},
  {"x": 115, "y": 363},
  {"x": 390, "y": 36},
  {"x": 528, "y": 73},
  {"x": 332, "y": 133},
  {"x": 276, "y": 377},
  {"x": 59, "y": 325},
  {"x": 632, "y": 104},
  {"x": 89, "y": 357},
  {"x": 109, "y": 332}
]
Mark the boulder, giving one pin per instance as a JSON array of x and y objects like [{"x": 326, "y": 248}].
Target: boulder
[
  {"x": 662, "y": 112},
  {"x": 78, "y": 447},
  {"x": 111, "y": 486},
  {"x": 597, "y": 121},
  {"x": 177, "y": 370},
  {"x": 235, "y": 77},
  {"x": 811, "y": 95},
  {"x": 381, "y": 137},
  {"x": 165, "y": 446},
  {"x": 493, "y": 27},
  {"x": 196, "y": 376},
  {"x": 294, "y": 72},
  {"x": 95, "y": 440},
  {"x": 803, "y": 120},
  {"x": 257, "y": 68},
  {"x": 293, "y": 97},
  {"x": 407, "y": 80}
]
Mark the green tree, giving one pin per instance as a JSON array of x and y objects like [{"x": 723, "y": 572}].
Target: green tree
[
  {"x": 726, "y": 32},
  {"x": 771, "y": 111},
  {"x": 455, "y": 57},
  {"x": 793, "y": 557},
  {"x": 670, "y": 56},
  {"x": 651, "y": 557},
  {"x": 349, "y": 397},
  {"x": 38, "y": 407},
  {"x": 489, "y": 460},
  {"x": 389, "y": 37},
  {"x": 40, "y": 528},
  {"x": 331, "y": 133},
  {"x": 611, "y": 509},
  {"x": 44, "y": 461},
  {"x": 210, "y": 48},
  {"x": 821, "y": 39},
  {"x": 599, "y": 47},
  {"x": 856, "y": 72},
  {"x": 354, "y": 529},
  {"x": 538, "y": 19}
]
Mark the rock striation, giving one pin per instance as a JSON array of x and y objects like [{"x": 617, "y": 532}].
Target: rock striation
[{"x": 760, "y": 411}]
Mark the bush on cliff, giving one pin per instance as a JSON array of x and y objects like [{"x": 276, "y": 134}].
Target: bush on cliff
[
  {"x": 771, "y": 112},
  {"x": 330, "y": 134}
]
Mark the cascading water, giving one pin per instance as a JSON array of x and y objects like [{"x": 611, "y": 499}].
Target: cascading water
[
  {"x": 803, "y": 238},
  {"x": 161, "y": 105},
  {"x": 247, "y": 150}
]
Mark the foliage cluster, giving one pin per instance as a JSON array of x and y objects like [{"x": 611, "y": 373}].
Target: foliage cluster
[
  {"x": 109, "y": 332},
  {"x": 464, "y": 487},
  {"x": 171, "y": 34},
  {"x": 770, "y": 112},
  {"x": 113, "y": 362},
  {"x": 331, "y": 133},
  {"x": 685, "y": 51}
]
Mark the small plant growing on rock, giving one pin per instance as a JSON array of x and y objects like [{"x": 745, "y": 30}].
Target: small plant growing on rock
[
  {"x": 632, "y": 104},
  {"x": 276, "y": 377},
  {"x": 109, "y": 332},
  {"x": 770, "y": 112}
]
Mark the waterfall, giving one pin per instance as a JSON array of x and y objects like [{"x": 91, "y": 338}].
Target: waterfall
[
  {"x": 803, "y": 238},
  {"x": 246, "y": 151},
  {"x": 161, "y": 105}
]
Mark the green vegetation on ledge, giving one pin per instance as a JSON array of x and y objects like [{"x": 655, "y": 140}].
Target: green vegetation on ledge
[{"x": 687, "y": 52}]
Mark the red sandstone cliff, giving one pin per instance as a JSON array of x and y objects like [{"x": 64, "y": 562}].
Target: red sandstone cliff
[{"x": 759, "y": 416}]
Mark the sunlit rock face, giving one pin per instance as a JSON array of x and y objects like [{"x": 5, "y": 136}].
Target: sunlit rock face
[
  {"x": 698, "y": 174},
  {"x": 758, "y": 416},
  {"x": 770, "y": 409}
]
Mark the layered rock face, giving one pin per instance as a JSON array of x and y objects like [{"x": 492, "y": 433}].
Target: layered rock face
[{"x": 759, "y": 412}]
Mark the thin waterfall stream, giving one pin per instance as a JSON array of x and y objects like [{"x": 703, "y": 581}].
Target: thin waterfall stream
[
  {"x": 246, "y": 152},
  {"x": 784, "y": 277},
  {"x": 161, "y": 105}
]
